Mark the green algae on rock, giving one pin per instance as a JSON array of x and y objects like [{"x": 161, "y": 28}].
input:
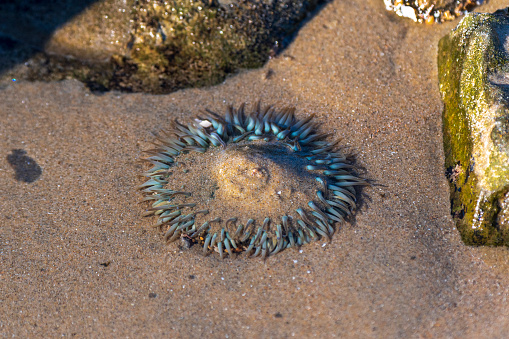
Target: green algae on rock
[
  {"x": 473, "y": 67},
  {"x": 256, "y": 183}
]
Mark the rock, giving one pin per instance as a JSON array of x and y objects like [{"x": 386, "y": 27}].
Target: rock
[
  {"x": 431, "y": 11},
  {"x": 161, "y": 46},
  {"x": 197, "y": 43},
  {"x": 473, "y": 65}
]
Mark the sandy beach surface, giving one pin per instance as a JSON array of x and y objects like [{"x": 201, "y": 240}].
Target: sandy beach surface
[{"x": 77, "y": 259}]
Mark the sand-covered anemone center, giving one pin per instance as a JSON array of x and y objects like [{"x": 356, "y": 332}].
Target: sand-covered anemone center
[
  {"x": 241, "y": 176},
  {"x": 248, "y": 180},
  {"x": 263, "y": 179}
]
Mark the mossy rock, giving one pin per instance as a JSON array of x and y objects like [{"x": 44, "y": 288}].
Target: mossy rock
[{"x": 473, "y": 65}]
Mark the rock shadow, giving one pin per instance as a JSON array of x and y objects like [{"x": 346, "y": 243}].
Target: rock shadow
[
  {"x": 26, "y": 168},
  {"x": 26, "y": 26}
]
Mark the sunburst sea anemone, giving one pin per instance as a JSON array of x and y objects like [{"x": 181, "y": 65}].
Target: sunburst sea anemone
[{"x": 254, "y": 183}]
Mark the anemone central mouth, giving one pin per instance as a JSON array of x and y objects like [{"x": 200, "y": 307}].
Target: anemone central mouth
[
  {"x": 267, "y": 173},
  {"x": 240, "y": 175}
]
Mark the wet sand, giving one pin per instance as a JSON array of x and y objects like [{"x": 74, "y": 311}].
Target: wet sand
[{"x": 78, "y": 259}]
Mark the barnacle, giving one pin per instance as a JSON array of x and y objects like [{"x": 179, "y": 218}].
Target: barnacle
[{"x": 256, "y": 183}]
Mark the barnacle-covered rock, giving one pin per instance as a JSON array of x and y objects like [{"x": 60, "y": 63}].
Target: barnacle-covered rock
[
  {"x": 256, "y": 183},
  {"x": 431, "y": 11},
  {"x": 473, "y": 67}
]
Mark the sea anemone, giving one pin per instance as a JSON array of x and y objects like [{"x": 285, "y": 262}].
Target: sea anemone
[{"x": 256, "y": 183}]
